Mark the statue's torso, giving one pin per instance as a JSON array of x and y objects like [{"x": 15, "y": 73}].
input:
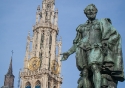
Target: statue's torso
[{"x": 91, "y": 33}]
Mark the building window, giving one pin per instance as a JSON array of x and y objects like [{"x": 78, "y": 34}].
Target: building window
[
  {"x": 48, "y": 85},
  {"x": 42, "y": 41},
  {"x": 54, "y": 87},
  {"x": 50, "y": 41},
  {"x": 28, "y": 85},
  {"x": 38, "y": 84}
]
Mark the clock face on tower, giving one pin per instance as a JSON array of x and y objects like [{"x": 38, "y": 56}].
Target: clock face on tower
[
  {"x": 34, "y": 63},
  {"x": 55, "y": 67}
]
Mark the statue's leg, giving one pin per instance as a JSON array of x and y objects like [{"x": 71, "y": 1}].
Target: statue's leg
[
  {"x": 86, "y": 81},
  {"x": 96, "y": 76},
  {"x": 81, "y": 62}
]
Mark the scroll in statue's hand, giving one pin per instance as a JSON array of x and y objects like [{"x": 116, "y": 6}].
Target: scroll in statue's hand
[{"x": 65, "y": 56}]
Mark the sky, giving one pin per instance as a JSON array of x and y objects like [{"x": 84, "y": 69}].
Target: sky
[{"x": 18, "y": 16}]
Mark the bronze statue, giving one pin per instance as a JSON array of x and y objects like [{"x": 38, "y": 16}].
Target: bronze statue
[{"x": 98, "y": 52}]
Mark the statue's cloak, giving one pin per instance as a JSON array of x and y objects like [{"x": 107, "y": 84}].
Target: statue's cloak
[{"x": 114, "y": 49}]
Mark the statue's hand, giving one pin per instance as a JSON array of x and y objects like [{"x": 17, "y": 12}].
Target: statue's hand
[{"x": 65, "y": 56}]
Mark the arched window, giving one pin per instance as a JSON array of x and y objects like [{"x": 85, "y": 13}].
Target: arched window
[
  {"x": 54, "y": 87},
  {"x": 48, "y": 84},
  {"x": 42, "y": 40},
  {"x": 38, "y": 84},
  {"x": 28, "y": 85}
]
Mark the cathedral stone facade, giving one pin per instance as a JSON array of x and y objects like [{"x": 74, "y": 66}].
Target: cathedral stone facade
[{"x": 42, "y": 66}]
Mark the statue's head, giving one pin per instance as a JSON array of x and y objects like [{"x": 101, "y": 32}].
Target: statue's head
[{"x": 91, "y": 11}]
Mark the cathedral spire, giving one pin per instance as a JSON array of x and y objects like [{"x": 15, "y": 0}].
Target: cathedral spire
[
  {"x": 9, "y": 77},
  {"x": 10, "y": 70}
]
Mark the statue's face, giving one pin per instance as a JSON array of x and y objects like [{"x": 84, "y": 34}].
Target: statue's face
[{"x": 91, "y": 12}]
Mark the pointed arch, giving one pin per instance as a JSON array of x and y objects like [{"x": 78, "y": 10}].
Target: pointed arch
[
  {"x": 54, "y": 87},
  {"x": 27, "y": 85},
  {"x": 38, "y": 84},
  {"x": 49, "y": 85}
]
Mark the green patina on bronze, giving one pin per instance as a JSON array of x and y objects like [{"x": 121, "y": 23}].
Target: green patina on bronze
[{"x": 98, "y": 52}]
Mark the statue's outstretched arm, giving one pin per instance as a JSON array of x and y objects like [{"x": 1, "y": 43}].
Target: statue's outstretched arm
[
  {"x": 73, "y": 48},
  {"x": 68, "y": 53}
]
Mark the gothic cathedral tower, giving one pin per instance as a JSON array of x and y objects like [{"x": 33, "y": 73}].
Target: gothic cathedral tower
[{"x": 42, "y": 64}]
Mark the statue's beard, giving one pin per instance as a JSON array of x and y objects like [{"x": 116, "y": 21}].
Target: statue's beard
[{"x": 91, "y": 16}]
